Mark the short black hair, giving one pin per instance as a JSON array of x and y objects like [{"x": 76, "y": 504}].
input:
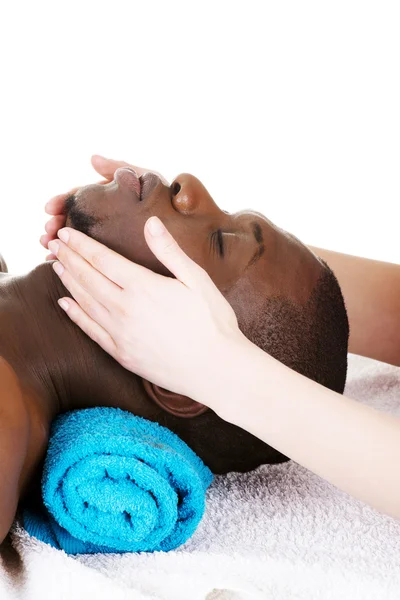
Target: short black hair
[{"x": 311, "y": 339}]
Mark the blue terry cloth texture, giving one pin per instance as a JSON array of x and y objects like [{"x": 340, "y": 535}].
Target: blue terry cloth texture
[{"x": 114, "y": 482}]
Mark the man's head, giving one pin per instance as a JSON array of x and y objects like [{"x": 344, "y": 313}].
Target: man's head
[{"x": 286, "y": 299}]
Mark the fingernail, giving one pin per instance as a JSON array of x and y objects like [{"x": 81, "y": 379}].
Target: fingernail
[
  {"x": 63, "y": 235},
  {"x": 54, "y": 246},
  {"x": 155, "y": 226},
  {"x": 63, "y": 303},
  {"x": 59, "y": 269}
]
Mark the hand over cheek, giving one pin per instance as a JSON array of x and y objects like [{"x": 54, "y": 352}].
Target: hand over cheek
[{"x": 169, "y": 331}]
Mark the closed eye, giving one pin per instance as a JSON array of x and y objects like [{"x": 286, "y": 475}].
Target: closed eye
[{"x": 217, "y": 242}]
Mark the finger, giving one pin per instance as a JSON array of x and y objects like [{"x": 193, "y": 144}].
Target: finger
[
  {"x": 115, "y": 267},
  {"x": 97, "y": 333},
  {"x": 54, "y": 224},
  {"x": 79, "y": 277},
  {"x": 170, "y": 254},
  {"x": 55, "y": 206},
  {"x": 52, "y": 227},
  {"x": 107, "y": 167},
  {"x": 88, "y": 304},
  {"x": 45, "y": 240},
  {"x": 51, "y": 257}
]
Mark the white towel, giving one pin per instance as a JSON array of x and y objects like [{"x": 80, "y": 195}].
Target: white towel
[{"x": 277, "y": 533}]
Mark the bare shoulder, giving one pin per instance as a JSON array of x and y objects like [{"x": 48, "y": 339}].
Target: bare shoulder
[
  {"x": 14, "y": 440},
  {"x": 12, "y": 406}
]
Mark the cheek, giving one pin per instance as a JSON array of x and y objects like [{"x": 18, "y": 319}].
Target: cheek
[
  {"x": 195, "y": 243},
  {"x": 119, "y": 235},
  {"x": 192, "y": 243},
  {"x": 247, "y": 300},
  {"x": 128, "y": 240}
]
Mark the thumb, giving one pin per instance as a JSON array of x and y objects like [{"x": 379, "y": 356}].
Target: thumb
[
  {"x": 106, "y": 167},
  {"x": 171, "y": 255}
]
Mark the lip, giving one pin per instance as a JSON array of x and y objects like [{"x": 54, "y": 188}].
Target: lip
[
  {"x": 134, "y": 184},
  {"x": 148, "y": 183}
]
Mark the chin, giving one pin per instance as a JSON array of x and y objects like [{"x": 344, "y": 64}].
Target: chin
[{"x": 77, "y": 218}]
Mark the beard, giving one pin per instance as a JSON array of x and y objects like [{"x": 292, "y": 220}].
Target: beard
[{"x": 76, "y": 217}]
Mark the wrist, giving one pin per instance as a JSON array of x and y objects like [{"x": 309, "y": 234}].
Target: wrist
[{"x": 226, "y": 377}]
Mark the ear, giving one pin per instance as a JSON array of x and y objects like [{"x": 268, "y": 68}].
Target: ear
[{"x": 175, "y": 404}]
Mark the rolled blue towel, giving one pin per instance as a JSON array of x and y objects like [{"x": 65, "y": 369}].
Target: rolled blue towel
[{"x": 114, "y": 482}]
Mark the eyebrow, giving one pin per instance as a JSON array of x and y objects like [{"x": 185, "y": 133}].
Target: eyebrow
[{"x": 258, "y": 235}]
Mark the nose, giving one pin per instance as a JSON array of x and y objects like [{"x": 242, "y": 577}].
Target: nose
[{"x": 189, "y": 196}]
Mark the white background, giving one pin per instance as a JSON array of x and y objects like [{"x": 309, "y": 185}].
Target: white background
[{"x": 290, "y": 108}]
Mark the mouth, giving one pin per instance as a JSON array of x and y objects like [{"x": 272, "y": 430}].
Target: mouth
[
  {"x": 144, "y": 185},
  {"x": 148, "y": 183}
]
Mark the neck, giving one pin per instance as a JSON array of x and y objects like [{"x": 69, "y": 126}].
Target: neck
[{"x": 52, "y": 356}]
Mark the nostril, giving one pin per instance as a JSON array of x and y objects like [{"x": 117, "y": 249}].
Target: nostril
[{"x": 175, "y": 188}]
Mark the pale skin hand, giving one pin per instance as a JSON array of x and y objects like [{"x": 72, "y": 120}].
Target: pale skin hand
[
  {"x": 116, "y": 300},
  {"x": 350, "y": 445}
]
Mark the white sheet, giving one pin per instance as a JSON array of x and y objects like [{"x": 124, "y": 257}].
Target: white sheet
[{"x": 279, "y": 532}]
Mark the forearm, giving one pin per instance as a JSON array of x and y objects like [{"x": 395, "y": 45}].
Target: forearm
[
  {"x": 371, "y": 290},
  {"x": 351, "y": 445}
]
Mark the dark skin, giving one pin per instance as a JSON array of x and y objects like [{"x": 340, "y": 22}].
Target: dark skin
[{"x": 49, "y": 366}]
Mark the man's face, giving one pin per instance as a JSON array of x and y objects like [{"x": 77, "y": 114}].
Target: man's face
[{"x": 247, "y": 256}]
